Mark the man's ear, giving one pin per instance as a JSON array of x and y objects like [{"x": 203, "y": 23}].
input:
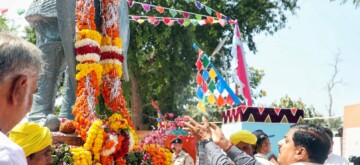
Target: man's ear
[
  {"x": 18, "y": 91},
  {"x": 301, "y": 154}
]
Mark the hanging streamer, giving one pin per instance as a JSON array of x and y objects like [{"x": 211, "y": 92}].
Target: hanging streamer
[
  {"x": 169, "y": 21},
  {"x": 173, "y": 12}
]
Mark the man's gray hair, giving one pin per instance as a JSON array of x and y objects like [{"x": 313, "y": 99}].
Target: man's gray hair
[{"x": 17, "y": 54}]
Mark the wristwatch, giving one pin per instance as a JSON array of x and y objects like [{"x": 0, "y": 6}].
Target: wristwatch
[{"x": 206, "y": 141}]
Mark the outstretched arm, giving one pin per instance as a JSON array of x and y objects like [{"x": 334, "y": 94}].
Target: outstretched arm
[{"x": 214, "y": 147}]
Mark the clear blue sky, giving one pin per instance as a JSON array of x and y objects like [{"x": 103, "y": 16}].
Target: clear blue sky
[{"x": 296, "y": 59}]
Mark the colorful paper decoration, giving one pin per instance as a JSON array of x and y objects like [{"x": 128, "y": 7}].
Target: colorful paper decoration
[
  {"x": 198, "y": 5},
  {"x": 211, "y": 98},
  {"x": 211, "y": 86},
  {"x": 204, "y": 87},
  {"x": 135, "y": 18},
  {"x": 146, "y": 7},
  {"x": 194, "y": 22},
  {"x": 218, "y": 15},
  {"x": 199, "y": 64},
  {"x": 260, "y": 114},
  {"x": 131, "y": 3},
  {"x": 229, "y": 100},
  {"x": 201, "y": 106},
  {"x": 160, "y": 9},
  {"x": 180, "y": 21},
  {"x": 208, "y": 10},
  {"x": 205, "y": 62},
  {"x": 222, "y": 22},
  {"x": 201, "y": 22},
  {"x": 212, "y": 73},
  {"x": 199, "y": 93},
  {"x": 198, "y": 16},
  {"x": 186, "y": 22},
  {"x": 199, "y": 79},
  {"x": 220, "y": 101},
  {"x": 205, "y": 75},
  {"x": 173, "y": 12},
  {"x": 140, "y": 21},
  {"x": 220, "y": 86},
  {"x": 186, "y": 15},
  {"x": 4, "y": 10}
]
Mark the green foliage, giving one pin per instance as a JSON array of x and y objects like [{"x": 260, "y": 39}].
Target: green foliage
[
  {"x": 335, "y": 123},
  {"x": 162, "y": 59},
  {"x": 30, "y": 34},
  {"x": 255, "y": 78},
  {"x": 60, "y": 154},
  {"x": 309, "y": 111},
  {"x": 136, "y": 158},
  {"x": 57, "y": 109},
  {"x": 4, "y": 24},
  {"x": 355, "y": 2}
]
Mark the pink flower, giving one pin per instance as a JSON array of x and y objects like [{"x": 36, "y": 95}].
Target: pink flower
[
  {"x": 57, "y": 150},
  {"x": 171, "y": 115}
]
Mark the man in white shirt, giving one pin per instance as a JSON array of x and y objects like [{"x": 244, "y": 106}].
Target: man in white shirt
[
  {"x": 263, "y": 147},
  {"x": 334, "y": 159},
  {"x": 20, "y": 66}
]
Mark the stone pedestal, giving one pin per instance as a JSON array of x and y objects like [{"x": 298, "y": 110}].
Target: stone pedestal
[{"x": 69, "y": 139}]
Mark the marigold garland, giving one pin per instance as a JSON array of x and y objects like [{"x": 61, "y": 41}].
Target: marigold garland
[
  {"x": 117, "y": 122},
  {"x": 85, "y": 69},
  {"x": 89, "y": 34},
  {"x": 81, "y": 156},
  {"x": 103, "y": 72},
  {"x": 159, "y": 155}
]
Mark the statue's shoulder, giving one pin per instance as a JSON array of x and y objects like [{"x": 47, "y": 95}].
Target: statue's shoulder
[{"x": 41, "y": 8}]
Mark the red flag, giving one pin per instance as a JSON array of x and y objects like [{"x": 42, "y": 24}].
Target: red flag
[{"x": 239, "y": 68}]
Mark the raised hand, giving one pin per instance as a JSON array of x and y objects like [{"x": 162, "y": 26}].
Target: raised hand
[{"x": 202, "y": 131}]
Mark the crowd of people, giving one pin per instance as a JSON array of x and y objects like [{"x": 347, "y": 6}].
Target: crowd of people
[
  {"x": 303, "y": 144},
  {"x": 29, "y": 143}
]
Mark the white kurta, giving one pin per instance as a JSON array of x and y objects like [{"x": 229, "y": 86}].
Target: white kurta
[
  {"x": 11, "y": 153},
  {"x": 262, "y": 159},
  {"x": 336, "y": 160}
]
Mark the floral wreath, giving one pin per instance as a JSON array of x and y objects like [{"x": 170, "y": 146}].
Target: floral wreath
[{"x": 101, "y": 117}]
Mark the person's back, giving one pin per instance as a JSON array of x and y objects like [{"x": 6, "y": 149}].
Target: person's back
[{"x": 334, "y": 159}]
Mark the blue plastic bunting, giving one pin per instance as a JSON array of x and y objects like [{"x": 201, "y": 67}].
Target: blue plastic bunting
[
  {"x": 200, "y": 93},
  {"x": 220, "y": 86},
  {"x": 205, "y": 75},
  {"x": 198, "y": 5},
  {"x": 196, "y": 47}
]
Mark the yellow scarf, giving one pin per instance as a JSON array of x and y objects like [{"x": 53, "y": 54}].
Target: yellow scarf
[{"x": 31, "y": 137}]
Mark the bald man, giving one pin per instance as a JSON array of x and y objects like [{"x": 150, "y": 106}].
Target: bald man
[{"x": 36, "y": 142}]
